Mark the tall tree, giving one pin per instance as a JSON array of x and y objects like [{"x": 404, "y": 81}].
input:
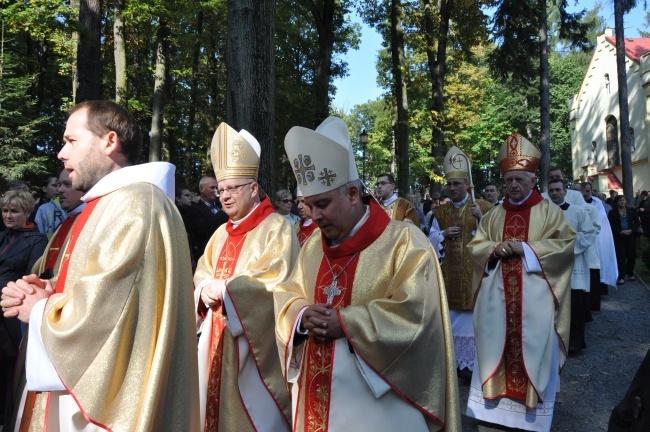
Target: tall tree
[
  {"x": 88, "y": 85},
  {"x": 400, "y": 78},
  {"x": 250, "y": 97},
  {"x": 119, "y": 48},
  {"x": 519, "y": 42},
  {"x": 160, "y": 89},
  {"x": 620, "y": 8}
]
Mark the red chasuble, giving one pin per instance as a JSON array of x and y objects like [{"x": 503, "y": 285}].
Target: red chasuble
[
  {"x": 319, "y": 356},
  {"x": 225, "y": 269},
  {"x": 305, "y": 232},
  {"x": 515, "y": 228}
]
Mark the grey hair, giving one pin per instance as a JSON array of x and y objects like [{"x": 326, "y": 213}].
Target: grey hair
[{"x": 346, "y": 187}]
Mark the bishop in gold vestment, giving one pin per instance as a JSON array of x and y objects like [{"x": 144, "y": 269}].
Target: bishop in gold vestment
[
  {"x": 362, "y": 323},
  {"x": 523, "y": 258},
  {"x": 241, "y": 386}
]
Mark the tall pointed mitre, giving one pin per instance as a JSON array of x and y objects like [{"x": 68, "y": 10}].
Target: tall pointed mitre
[
  {"x": 299, "y": 192},
  {"x": 518, "y": 154},
  {"x": 321, "y": 159},
  {"x": 456, "y": 164},
  {"x": 234, "y": 154}
]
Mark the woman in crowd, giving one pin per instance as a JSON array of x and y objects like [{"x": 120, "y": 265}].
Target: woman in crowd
[
  {"x": 625, "y": 224},
  {"x": 283, "y": 203},
  {"x": 21, "y": 245}
]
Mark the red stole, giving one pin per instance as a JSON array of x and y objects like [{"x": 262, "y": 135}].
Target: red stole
[
  {"x": 515, "y": 228},
  {"x": 57, "y": 242},
  {"x": 224, "y": 269},
  {"x": 305, "y": 231},
  {"x": 319, "y": 357},
  {"x": 50, "y": 260}
]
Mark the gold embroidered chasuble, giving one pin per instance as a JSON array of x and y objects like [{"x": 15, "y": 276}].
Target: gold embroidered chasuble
[
  {"x": 456, "y": 262},
  {"x": 401, "y": 210},
  {"x": 397, "y": 320},
  {"x": 119, "y": 336},
  {"x": 266, "y": 257},
  {"x": 516, "y": 314}
]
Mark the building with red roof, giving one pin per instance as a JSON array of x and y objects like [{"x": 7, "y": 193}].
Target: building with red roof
[{"x": 594, "y": 113}]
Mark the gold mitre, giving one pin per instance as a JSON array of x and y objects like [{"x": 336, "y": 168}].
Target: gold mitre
[
  {"x": 321, "y": 159},
  {"x": 518, "y": 154},
  {"x": 456, "y": 163},
  {"x": 234, "y": 155}
]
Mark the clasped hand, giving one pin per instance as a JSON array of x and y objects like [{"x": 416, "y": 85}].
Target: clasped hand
[
  {"x": 18, "y": 298},
  {"x": 509, "y": 248},
  {"x": 322, "y": 322}
]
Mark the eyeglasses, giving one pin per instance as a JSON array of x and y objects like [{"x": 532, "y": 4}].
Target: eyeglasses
[
  {"x": 233, "y": 190},
  {"x": 286, "y": 201},
  {"x": 381, "y": 183}
]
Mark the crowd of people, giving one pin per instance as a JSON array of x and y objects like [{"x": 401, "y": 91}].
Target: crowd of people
[{"x": 134, "y": 304}]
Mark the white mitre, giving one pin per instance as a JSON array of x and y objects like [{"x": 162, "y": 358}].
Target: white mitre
[{"x": 321, "y": 159}]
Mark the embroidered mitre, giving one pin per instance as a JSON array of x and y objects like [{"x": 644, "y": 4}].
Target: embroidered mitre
[
  {"x": 321, "y": 159},
  {"x": 518, "y": 154},
  {"x": 234, "y": 154},
  {"x": 456, "y": 164}
]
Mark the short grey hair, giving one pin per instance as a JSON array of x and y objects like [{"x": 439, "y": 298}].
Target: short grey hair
[{"x": 346, "y": 187}]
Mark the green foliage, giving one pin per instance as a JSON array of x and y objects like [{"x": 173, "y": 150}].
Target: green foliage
[{"x": 20, "y": 129}]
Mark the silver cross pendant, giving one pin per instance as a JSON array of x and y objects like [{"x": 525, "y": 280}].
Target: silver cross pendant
[{"x": 332, "y": 291}]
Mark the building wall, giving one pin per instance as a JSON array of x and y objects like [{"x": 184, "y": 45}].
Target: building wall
[{"x": 595, "y": 102}]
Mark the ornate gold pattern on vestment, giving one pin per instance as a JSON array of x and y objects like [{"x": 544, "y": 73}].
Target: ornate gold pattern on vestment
[
  {"x": 456, "y": 261},
  {"x": 515, "y": 229},
  {"x": 319, "y": 356}
]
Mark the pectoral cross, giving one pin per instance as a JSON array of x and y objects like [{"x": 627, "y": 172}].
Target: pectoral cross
[{"x": 331, "y": 292}]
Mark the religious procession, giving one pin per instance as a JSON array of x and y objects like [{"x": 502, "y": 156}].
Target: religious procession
[{"x": 131, "y": 321}]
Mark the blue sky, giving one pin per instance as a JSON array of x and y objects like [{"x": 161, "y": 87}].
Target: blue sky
[{"x": 360, "y": 85}]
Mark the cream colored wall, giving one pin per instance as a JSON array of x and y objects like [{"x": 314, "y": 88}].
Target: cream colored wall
[{"x": 593, "y": 104}]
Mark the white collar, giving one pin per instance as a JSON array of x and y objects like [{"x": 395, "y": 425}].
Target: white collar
[
  {"x": 75, "y": 211},
  {"x": 520, "y": 202},
  {"x": 389, "y": 201},
  {"x": 236, "y": 223},
  {"x": 159, "y": 174},
  {"x": 356, "y": 228},
  {"x": 307, "y": 222},
  {"x": 461, "y": 202}
]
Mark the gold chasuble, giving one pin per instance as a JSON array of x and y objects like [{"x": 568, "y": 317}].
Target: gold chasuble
[
  {"x": 389, "y": 299},
  {"x": 402, "y": 210},
  {"x": 251, "y": 257},
  {"x": 456, "y": 262},
  {"x": 117, "y": 330},
  {"x": 517, "y": 314}
]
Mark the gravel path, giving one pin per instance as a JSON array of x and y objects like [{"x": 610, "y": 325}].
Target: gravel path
[{"x": 595, "y": 380}]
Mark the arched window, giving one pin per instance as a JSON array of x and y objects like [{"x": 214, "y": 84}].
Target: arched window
[
  {"x": 607, "y": 83},
  {"x": 632, "y": 143},
  {"x": 611, "y": 134}
]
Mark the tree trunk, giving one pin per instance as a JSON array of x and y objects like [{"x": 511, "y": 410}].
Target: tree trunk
[
  {"x": 323, "y": 13},
  {"x": 193, "y": 94},
  {"x": 155, "y": 143},
  {"x": 119, "y": 49},
  {"x": 545, "y": 127},
  {"x": 624, "y": 113},
  {"x": 88, "y": 86},
  {"x": 250, "y": 100},
  {"x": 401, "y": 100},
  {"x": 437, "y": 70}
]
